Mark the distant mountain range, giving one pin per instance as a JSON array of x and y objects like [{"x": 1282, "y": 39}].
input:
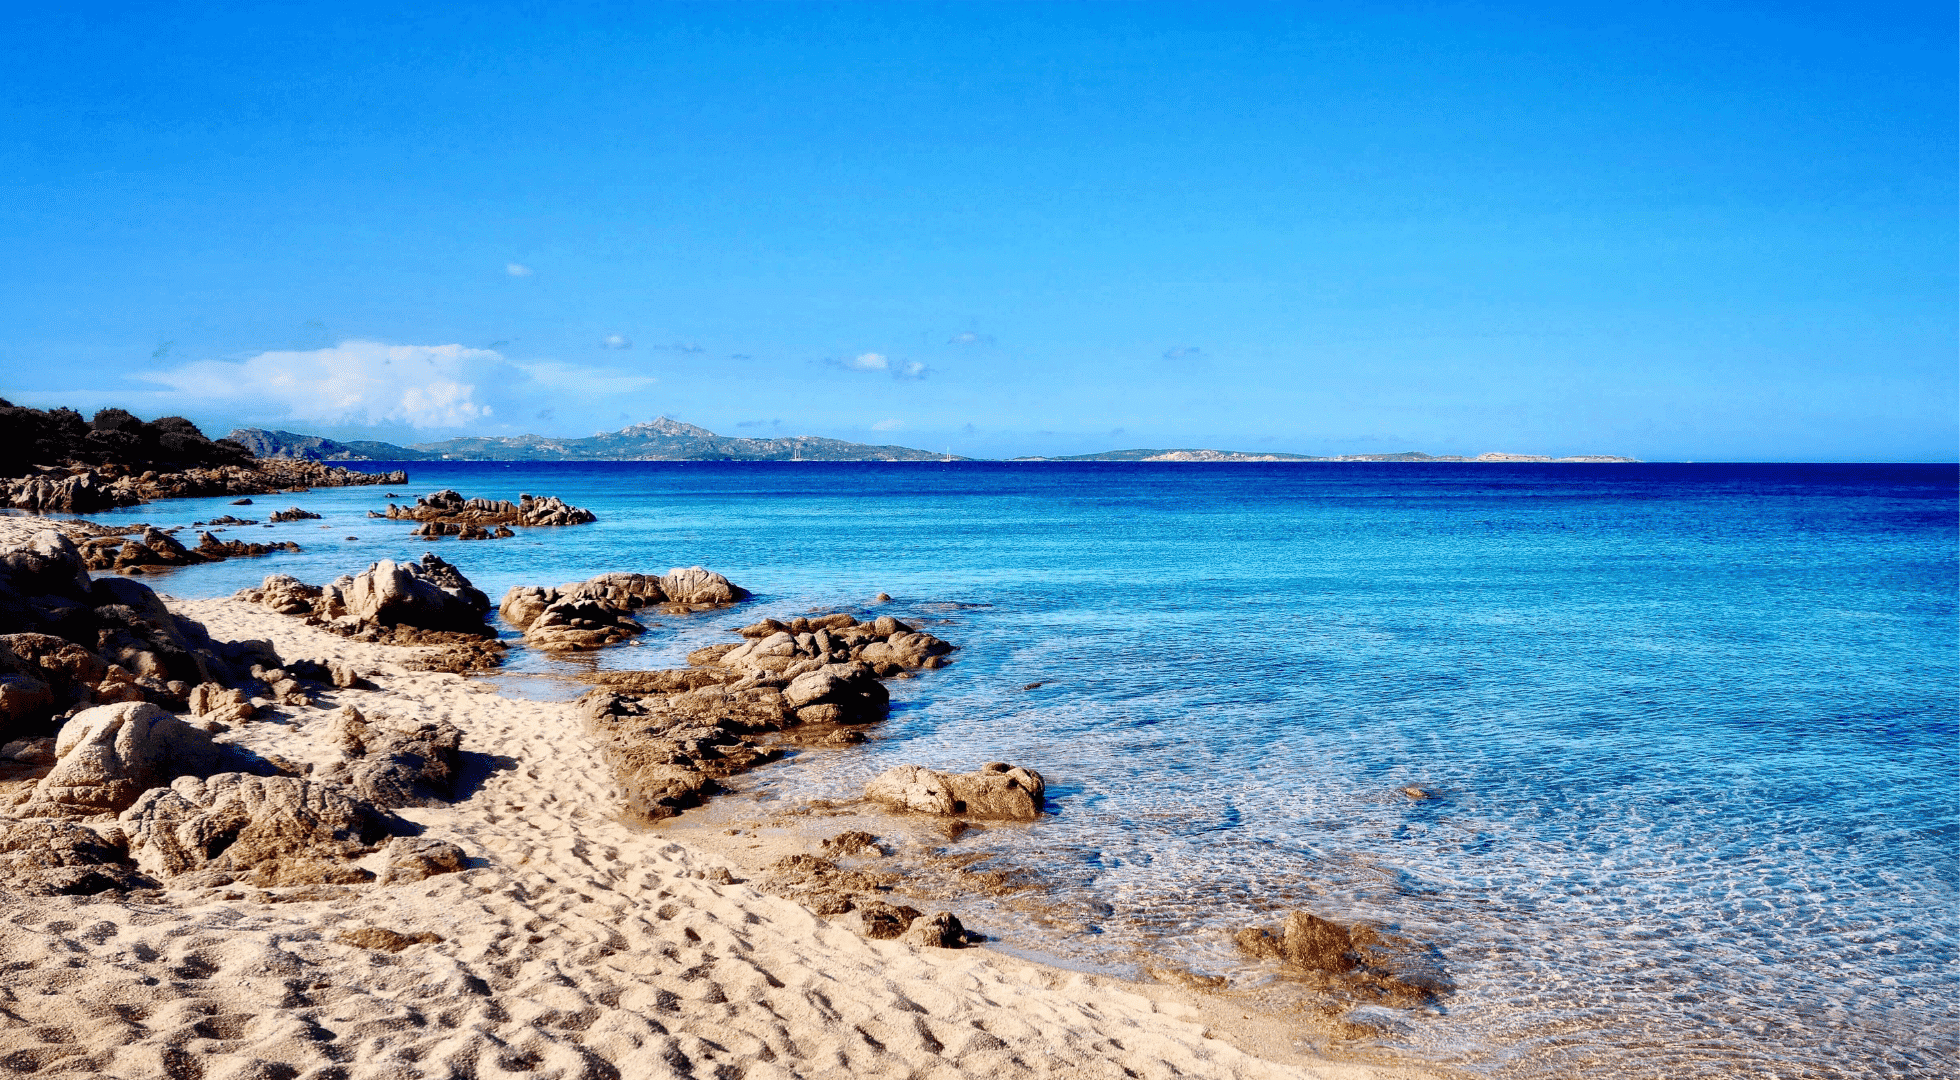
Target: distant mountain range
[
  {"x": 656, "y": 440},
  {"x": 671, "y": 440}
]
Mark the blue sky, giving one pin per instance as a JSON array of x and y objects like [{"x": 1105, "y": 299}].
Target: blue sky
[{"x": 1696, "y": 231}]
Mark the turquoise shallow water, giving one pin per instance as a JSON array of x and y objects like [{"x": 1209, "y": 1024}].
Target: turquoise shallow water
[{"x": 1693, "y": 727}]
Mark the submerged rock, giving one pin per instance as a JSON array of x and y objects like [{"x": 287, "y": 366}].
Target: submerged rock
[
  {"x": 1357, "y": 960},
  {"x": 995, "y": 790}
]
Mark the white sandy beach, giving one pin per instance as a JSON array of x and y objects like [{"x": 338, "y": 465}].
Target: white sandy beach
[{"x": 574, "y": 946}]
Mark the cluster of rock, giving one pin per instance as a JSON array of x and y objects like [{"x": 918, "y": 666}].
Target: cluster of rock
[
  {"x": 427, "y": 595},
  {"x": 86, "y": 489},
  {"x": 885, "y": 645},
  {"x": 668, "y": 736},
  {"x": 71, "y": 641},
  {"x": 156, "y": 549},
  {"x": 829, "y": 889},
  {"x": 407, "y": 603},
  {"x": 293, "y": 513},
  {"x": 134, "y": 796},
  {"x": 125, "y": 795},
  {"x": 1355, "y": 961},
  {"x": 448, "y": 513},
  {"x": 598, "y": 612}
]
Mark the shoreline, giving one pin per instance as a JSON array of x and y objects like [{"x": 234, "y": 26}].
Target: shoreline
[{"x": 571, "y": 939}]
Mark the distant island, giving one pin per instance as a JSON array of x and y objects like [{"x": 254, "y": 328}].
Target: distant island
[
  {"x": 664, "y": 439},
  {"x": 656, "y": 440}
]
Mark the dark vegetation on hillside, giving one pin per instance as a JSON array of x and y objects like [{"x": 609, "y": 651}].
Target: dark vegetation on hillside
[{"x": 33, "y": 437}]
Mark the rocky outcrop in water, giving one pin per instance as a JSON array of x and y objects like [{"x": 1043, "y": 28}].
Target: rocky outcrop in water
[
  {"x": 154, "y": 549},
  {"x": 885, "y": 645},
  {"x": 1356, "y": 961},
  {"x": 293, "y": 513},
  {"x": 448, "y": 513},
  {"x": 995, "y": 790},
  {"x": 598, "y": 612}
]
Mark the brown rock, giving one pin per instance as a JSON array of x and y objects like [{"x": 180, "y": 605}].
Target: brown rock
[
  {"x": 107, "y": 756},
  {"x": 417, "y": 858},
  {"x": 995, "y": 790},
  {"x": 941, "y": 931},
  {"x": 375, "y": 937},
  {"x": 280, "y": 829},
  {"x": 62, "y": 858},
  {"x": 885, "y": 921}
]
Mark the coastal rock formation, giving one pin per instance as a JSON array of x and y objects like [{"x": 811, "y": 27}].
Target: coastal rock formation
[
  {"x": 667, "y": 750},
  {"x": 884, "y": 645},
  {"x": 995, "y": 790},
  {"x": 1359, "y": 961},
  {"x": 430, "y": 595},
  {"x": 55, "y": 461},
  {"x": 395, "y": 765},
  {"x": 448, "y": 513},
  {"x": 270, "y": 830},
  {"x": 598, "y": 612},
  {"x": 292, "y": 513},
  {"x": 62, "y": 858},
  {"x": 847, "y": 693},
  {"x": 109, "y": 755},
  {"x": 427, "y": 603},
  {"x": 68, "y": 642},
  {"x": 155, "y": 548}
]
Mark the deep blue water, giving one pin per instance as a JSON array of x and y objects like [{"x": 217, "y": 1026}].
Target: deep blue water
[{"x": 1693, "y": 727}]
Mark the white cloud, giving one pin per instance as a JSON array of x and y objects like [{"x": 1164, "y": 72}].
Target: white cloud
[
  {"x": 572, "y": 378},
  {"x": 517, "y": 270},
  {"x": 358, "y": 382},
  {"x": 968, "y": 337},
  {"x": 913, "y": 370},
  {"x": 616, "y": 341},
  {"x": 870, "y": 361},
  {"x": 888, "y": 425}
]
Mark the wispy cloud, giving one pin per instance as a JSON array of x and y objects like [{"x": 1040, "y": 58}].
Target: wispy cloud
[
  {"x": 888, "y": 425},
  {"x": 579, "y": 379},
  {"x": 968, "y": 337},
  {"x": 517, "y": 270},
  {"x": 688, "y": 347},
  {"x": 369, "y": 383},
  {"x": 615, "y": 341},
  {"x": 879, "y": 362},
  {"x": 361, "y": 382},
  {"x": 1184, "y": 352}
]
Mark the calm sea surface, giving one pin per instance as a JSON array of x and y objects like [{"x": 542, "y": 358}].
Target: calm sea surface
[{"x": 1692, "y": 728}]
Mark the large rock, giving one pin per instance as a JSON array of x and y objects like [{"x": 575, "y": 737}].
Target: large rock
[
  {"x": 107, "y": 756},
  {"x": 887, "y": 646},
  {"x": 430, "y": 595},
  {"x": 272, "y": 830},
  {"x": 62, "y": 858},
  {"x": 1357, "y": 960},
  {"x": 838, "y": 694},
  {"x": 396, "y": 765},
  {"x": 698, "y": 585},
  {"x": 598, "y": 612},
  {"x": 995, "y": 790}
]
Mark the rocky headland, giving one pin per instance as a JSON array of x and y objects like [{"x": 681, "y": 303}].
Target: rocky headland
[{"x": 54, "y": 461}]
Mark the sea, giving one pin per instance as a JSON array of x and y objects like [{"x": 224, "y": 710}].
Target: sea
[{"x": 1687, "y": 732}]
